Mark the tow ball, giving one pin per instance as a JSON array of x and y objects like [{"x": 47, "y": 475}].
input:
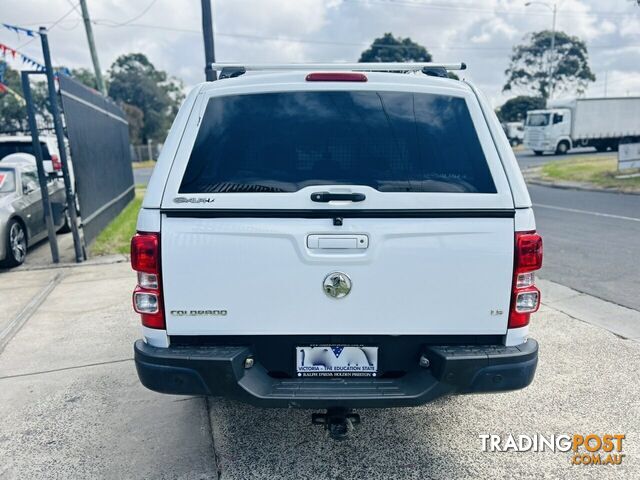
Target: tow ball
[{"x": 338, "y": 422}]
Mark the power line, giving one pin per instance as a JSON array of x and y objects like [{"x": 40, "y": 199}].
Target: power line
[
  {"x": 51, "y": 26},
  {"x": 321, "y": 42},
  {"x": 472, "y": 8},
  {"x": 133, "y": 19}
]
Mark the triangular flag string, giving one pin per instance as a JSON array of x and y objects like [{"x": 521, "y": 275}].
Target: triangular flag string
[
  {"x": 4, "y": 49},
  {"x": 15, "y": 28}
]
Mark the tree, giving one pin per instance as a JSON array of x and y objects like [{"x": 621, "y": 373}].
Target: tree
[
  {"x": 395, "y": 49},
  {"x": 532, "y": 63},
  {"x": 85, "y": 76},
  {"x": 13, "y": 111},
  {"x": 134, "y": 81},
  {"x": 135, "y": 117},
  {"x": 515, "y": 109}
]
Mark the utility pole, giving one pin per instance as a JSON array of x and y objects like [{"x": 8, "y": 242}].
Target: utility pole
[
  {"x": 207, "y": 33},
  {"x": 92, "y": 47}
]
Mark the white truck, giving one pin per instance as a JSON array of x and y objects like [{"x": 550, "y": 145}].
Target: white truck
[
  {"x": 583, "y": 122},
  {"x": 326, "y": 236}
]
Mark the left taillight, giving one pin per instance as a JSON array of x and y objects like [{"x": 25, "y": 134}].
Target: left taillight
[
  {"x": 525, "y": 296},
  {"x": 147, "y": 296}
]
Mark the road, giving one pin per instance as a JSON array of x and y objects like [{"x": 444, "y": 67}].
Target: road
[
  {"x": 592, "y": 239},
  {"x": 527, "y": 158},
  {"x": 72, "y": 406}
]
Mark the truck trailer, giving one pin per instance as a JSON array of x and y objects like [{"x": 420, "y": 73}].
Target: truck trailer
[{"x": 602, "y": 123}]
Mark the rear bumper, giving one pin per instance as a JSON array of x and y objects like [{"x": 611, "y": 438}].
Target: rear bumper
[{"x": 219, "y": 371}]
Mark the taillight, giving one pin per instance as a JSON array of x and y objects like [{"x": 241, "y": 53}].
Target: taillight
[
  {"x": 56, "y": 163},
  {"x": 525, "y": 296},
  {"x": 147, "y": 296},
  {"x": 336, "y": 77}
]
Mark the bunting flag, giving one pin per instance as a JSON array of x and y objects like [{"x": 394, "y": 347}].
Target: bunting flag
[
  {"x": 30, "y": 61},
  {"x": 14, "y": 28},
  {"x": 4, "y": 49}
]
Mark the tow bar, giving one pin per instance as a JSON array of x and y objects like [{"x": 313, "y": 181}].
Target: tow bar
[{"x": 339, "y": 422}]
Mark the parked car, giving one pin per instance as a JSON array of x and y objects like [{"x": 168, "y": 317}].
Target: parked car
[
  {"x": 514, "y": 132},
  {"x": 50, "y": 152},
  {"x": 22, "y": 221},
  {"x": 336, "y": 240}
]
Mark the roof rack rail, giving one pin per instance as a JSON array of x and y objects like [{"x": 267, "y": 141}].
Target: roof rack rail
[{"x": 358, "y": 67}]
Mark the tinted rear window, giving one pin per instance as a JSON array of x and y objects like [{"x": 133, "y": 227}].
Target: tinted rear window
[
  {"x": 390, "y": 141},
  {"x": 7, "y": 148}
]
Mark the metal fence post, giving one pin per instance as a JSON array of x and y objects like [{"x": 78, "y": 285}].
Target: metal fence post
[
  {"x": 42, "y": 178},
  {"x": 57, "y": 123}
]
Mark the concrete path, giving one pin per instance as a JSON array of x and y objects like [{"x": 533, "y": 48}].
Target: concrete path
[{"x": 72, "y": 407}]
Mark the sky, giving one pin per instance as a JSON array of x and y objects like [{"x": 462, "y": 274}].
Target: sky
[{"x": 478, "y": 32}]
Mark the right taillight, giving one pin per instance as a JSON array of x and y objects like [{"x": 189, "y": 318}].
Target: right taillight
[
  {"x": 56, "y": 163},
  {"x": 525, "y": 297},
  {"x": 147, "y": 296}
]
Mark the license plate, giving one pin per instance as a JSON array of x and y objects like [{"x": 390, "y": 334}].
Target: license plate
[{"x": 336, "y": 361}]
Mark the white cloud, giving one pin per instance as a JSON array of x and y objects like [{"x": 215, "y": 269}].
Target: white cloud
[{"x": 480, "y": 32}]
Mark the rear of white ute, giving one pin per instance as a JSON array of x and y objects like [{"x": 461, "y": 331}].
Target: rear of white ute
[{"x": 342, "y": 240}]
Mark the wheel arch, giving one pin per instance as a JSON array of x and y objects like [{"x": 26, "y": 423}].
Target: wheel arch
[
  {"x": 20, "y": 220},
  {"x": 564, "y": 139}
]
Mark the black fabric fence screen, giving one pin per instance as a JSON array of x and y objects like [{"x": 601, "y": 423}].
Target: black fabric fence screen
[{"x": 98, "y": 135}]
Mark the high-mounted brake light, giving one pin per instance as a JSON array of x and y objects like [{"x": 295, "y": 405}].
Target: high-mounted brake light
[
  {"x": 147, "y": 296},
  {"x": 525, "y": 296},
  {"x": 336, "y": 77}
]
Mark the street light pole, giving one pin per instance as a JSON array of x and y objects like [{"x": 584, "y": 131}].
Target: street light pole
[{"x": 207, "y": 33}]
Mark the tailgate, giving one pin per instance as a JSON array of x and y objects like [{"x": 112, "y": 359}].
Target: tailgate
[
  {"x": 267, "y": 276},
  {"x": 395, "y": 201}
]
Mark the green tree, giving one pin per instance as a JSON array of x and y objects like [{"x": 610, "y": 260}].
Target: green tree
[
  {"x": 515, "y": 109},
  {"x": 85, "y": 76},
  {"x": 395, "y": 49},
  {"x": 134, "y": 81},
  {"x": 13, "y": 111},
  {"x": 537, "y": 69}
]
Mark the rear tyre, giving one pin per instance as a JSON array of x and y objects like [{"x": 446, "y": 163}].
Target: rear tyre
[
  {"x": 538, "y": 153},
  {"x": 562, "y": 148},
  {"x": 16, "y": 244}
]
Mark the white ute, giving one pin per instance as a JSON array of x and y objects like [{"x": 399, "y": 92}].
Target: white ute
[{"x": 336, "y": 236}]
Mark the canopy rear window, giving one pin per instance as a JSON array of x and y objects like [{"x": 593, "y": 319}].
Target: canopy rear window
[
  {"x": 9, "y": 147},
  {"x": 390, "y": 141}
]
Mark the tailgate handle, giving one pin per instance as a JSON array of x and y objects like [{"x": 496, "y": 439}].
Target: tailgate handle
[
  {"x": 338, "y": 242},
  {"x": 325, "y": 197}
]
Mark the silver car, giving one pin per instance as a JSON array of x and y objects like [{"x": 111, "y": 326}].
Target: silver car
[{"x": 21, "y": 213}]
